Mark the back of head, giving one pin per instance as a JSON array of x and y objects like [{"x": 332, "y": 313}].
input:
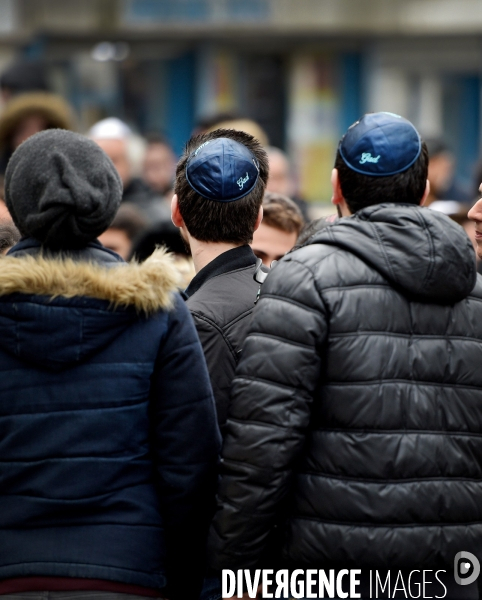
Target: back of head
[
  {"x": 381, "y": 158},
  {"x": 310, "y": 229},
  {"x": 61, "y": 189},
  {"x": 111, "y": 128},
  {"x": 220, "y": 183},
  {"x": 159, "y": 234},
  {"x": 282, "y": 213},
  {"x": 130, "y": 220},
  {"x": 24, "y": 76},
  {"x": 127, "y": 225}
]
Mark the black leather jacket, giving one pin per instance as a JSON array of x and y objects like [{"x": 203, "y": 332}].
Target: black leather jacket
[{"x": 221, "y": 299}]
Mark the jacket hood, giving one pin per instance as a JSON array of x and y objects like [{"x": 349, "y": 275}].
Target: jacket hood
[
  {"x": 419, "y": 251},
  {"x": 56, "y": 312}
]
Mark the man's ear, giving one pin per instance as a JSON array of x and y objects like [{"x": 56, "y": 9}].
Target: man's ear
[
  {"x": 337, "y": 197},
  {"x": 176, "y": 217},
  {"x": 426, "y": 193},
  {"x": 259, "y": 218}
]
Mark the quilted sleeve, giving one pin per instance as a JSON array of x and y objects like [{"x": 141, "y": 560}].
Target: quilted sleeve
[
  {"x": 269, "y": 413},
  {"x": 185, "y": 448}
]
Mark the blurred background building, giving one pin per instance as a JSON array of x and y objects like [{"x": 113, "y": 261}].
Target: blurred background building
[{"x": 304, "y": 69}]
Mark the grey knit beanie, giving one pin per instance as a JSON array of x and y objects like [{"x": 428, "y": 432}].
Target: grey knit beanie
[{"x": 61, "y": 189}]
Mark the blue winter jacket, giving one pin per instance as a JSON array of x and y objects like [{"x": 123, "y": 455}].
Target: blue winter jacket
[{"x": 108, "y": 433}]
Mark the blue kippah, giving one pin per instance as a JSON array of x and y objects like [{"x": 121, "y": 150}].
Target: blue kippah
[
  {"x": 380, "y": 144},
  {"x": 222, "y": 170}
]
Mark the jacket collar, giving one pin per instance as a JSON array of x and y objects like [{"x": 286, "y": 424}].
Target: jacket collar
[
  {"x": 148, "y": 287},
  {"x": 236, "y": 258},
  {"x": 31, "y": 246}
]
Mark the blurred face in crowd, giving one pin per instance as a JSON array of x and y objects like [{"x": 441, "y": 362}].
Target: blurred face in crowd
[
  {"x": 159, "y": 167},
  {"x": 279, "y": 180},
  {"x": 270, "y": 243},
  {"x": 28, "y": 126},
  {"x": 475, "y": 214},
  {"x": 116, "y": 150},
  {"x": 116, "y": 240},
  {"x": 440, "y": 171}
]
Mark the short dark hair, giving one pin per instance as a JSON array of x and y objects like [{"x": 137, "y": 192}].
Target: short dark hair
[
  {"x": 361, "y": 190},
  {"x": 437, "y": 146},
  {"x": 153, "y": 137},
  {"x": 282, "y": 213},
  {"x": 129, "y": 219},
  {"x": 211, "y": 221}
]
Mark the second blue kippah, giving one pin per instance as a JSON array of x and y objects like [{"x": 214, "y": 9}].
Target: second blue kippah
[
  {"x": 222, "y": 170},
  {"x": 380, "y": 144}
]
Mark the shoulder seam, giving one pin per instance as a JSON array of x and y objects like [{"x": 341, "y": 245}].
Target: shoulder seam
[{"x": 217, "y": 328}]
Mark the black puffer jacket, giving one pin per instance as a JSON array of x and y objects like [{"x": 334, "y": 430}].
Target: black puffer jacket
[{"x": 356, "y": 415}]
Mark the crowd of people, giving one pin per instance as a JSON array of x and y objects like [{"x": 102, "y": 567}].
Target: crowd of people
[{"x": 197, "y": 378}]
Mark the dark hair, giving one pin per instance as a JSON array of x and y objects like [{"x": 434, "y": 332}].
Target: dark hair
[
  {"x": 159, "y": 234},
  {"x": 436, "y": 146},
  {"x": 153, "y": 137},
  {"x": 361, "y": 191},
  {"x": 282, "y": 213},
  {"x": 310, "y": 229},
  {"x": 129, "y": 219},
  {"x": 25, "y": 75},
  {"x": 211, "y": 221}
]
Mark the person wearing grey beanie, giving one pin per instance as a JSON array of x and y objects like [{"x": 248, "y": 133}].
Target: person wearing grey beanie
[
  {"x": 61, "y": 189},
  {"x": 103, "y": 393}
]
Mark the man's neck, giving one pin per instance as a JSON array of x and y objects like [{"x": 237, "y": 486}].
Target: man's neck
[{"x": 204, "y": 252}]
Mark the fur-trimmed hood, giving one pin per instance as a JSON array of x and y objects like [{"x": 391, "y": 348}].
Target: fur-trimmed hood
[
  {"x": 54, "y": 312},
  {"x": 147, "y": 287}
]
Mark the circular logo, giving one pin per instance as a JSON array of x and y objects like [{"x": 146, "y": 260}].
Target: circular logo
[{"x": 466, "y": 568}]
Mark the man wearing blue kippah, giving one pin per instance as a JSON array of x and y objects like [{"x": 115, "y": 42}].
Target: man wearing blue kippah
[
  {"x": 220, "y": 183},
  {"x": 354, "y": 434}
]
